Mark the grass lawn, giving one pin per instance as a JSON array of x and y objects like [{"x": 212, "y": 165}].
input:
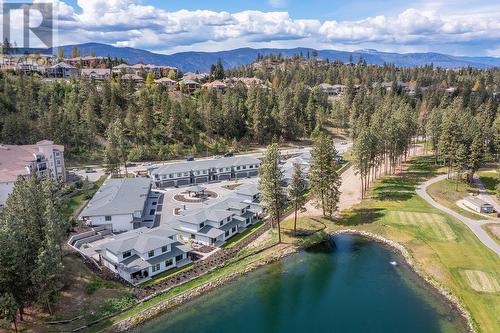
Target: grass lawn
[
  {"x": 442, "y": 247},
  {"x": 235, "y": 239},
  {"x": 489, "y": 180},
  {"x": 70, "y": 207},
  {"x": 445, "y": 193}
]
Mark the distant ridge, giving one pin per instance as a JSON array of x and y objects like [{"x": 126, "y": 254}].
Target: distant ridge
[{"x": 201, "y": 61}]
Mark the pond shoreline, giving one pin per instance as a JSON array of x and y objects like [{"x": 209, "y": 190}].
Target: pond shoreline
[{"x": 167, "y": 305}]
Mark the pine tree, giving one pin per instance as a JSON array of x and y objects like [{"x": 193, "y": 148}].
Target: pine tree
[
  {"x": 323, "y": 176},
  {"x": 296, "y": 192},
  {"x": 271, "y": 183},
  {"x": 8, "y": 310}
]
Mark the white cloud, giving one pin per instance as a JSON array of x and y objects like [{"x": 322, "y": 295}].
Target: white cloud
[
  {"x": 130, "y": 23},
  {"x": 277, "y": 3}
]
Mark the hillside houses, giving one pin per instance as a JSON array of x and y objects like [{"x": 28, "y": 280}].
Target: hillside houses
[
  {"x": 62, "y": 70},
  {"x": 99, "y": 74}
]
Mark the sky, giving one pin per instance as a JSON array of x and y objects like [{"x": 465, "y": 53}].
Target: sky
[{"x": 455, "y": 27}]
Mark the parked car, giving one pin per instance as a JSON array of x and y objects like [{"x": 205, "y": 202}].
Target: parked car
[
  {"x": 146, "y": 164},
  {"x": 90, "y": 170},
  {"x": 215, "y": 157},
  {"x": 343, "y": 143},
  {"x": 228, "y": 154},
  {"x": 190, "y": 158}
]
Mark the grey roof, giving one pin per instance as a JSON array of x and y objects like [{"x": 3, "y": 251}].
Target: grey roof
[
  {"x": 210, "y": 231},
  {"x": 98, "y": 71},
  {"x": 205, "y": 164},
  {"x": 62, "y": 65},
  {"x": 119, "y": 196},
  {"x": 248, "y": 189},
  {"x": 229, "y": 225},
  {"x": 133, "y": 264},
  {"x": 205, "y": 214},
  {"x": 476, "y": 201},
  {"x": 141, "y": 240},
  {"x": 196, "y": 188}
]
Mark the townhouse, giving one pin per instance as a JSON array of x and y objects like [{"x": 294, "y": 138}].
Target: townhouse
[
  {"x": 188, "y": 86},
  {"x": 62, "y": 70},
  {"x": 168, "y": 83},
  {"x": 214, "y": 224},
  {"x": 43, "y": 159},
  {"x": 142, "y": 253},
  {"x": 122, "y": 204},
  {"x": 99, "y": 74},
  {"x": 204, "y": 171}
]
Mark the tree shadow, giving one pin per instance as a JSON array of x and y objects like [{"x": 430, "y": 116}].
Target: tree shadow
[{"x": 360, "y": 216}]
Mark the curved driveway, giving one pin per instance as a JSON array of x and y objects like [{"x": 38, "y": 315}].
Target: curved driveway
[{"x": 473, "y": 225}]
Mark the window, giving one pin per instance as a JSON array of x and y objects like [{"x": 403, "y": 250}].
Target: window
[
  {"x": 237, "y": 168},
  {"x": 247, "y": 221},
  {"x": 233, "y": 229},
  {"x": 107, "y": 218},
  {"x": 168, "y": 262},
  {"x": 179, "y": 257},
  {"x": 221, "y": 170},
  {"x": 164, "y": 177},
  {"x": 58, "y": 162},
  {"x": 151, "y": 212},
  {"x": 197, "y": 172},
  {"x": 57, "y": 154},
  {"x": 186, "y": 174},
  {"x": 227, "y": 233},
  {"x": 164, "y": 248},
  {"x": 179, "y": 174},
  {"x": 229, "y": 218},
  {"x": 244, "y": 167},
  {"x": 155, "y": 267},
  {"x": 227, "y": 169},
  {"x": 202, "y": 224},
  {"x": 151, "y": 253},
  {"x": 221, "y": 223},
  {"x": 154, "y": 203},
  {"x": 171, "y": 175},
  {"x": 127, "y": 254}
]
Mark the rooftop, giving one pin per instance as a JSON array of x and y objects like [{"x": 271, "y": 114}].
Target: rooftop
[
  {"x": 119, "y": 196},
  {"x": 15, "y": 158},
  {"x": 205, "y": 164}
]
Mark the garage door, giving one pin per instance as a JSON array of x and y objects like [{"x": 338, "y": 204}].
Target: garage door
[
  {"x": 181, "y": 182},
  {"x": 241, "y": 175},
  {"x": 253, "y": 173},
  {"x": 201, "y": 180},
  {"x": 224, "y": 177},
  {"x": 169, "y": 183}
]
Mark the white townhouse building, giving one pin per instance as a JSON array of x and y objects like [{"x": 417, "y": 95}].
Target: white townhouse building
[
  {"x": 43, "y": 159},
  {"x": 120, "y": 203},
  {"x": 204, "y": 171},
  {"x": 142, "y": 253},
  {"x": 213, "y": 225}
]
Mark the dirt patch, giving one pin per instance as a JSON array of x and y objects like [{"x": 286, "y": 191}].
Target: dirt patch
[
  {"x": 231, "y": 186},
  {"x": 482, "y": 281}
]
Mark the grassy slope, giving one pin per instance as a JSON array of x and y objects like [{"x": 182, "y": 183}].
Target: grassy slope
[
  {"x": 446, "y": 194},
  {"x": 442, "y": 247},
  {"x": 489, "y": 180}
]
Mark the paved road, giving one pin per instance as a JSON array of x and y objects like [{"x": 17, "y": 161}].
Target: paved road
[{"x": 473, "y": 225}]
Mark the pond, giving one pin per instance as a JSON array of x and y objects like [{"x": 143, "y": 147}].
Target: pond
[{"x": 345, "y": 285}]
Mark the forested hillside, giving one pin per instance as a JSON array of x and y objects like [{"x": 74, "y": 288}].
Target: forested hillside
[{"x": 149, "y": 122}]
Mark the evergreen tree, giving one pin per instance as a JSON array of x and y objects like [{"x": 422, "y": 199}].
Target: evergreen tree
[
  {"x": 296, "y": 192},
  {"x": 323, "y": 176},
  {"x": 8, "y": 310},
  {"x": 271, "y": 183}
]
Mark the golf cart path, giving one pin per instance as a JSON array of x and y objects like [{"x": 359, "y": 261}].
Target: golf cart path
[{"x": 474, "y": 225}]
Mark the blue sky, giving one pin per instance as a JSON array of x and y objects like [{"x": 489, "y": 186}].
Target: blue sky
[{"x": 457, "y": 27}]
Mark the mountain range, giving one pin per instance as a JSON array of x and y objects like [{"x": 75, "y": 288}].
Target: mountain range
[{"x": 201, "y": 61}]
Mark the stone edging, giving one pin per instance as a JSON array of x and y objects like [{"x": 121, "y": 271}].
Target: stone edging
[
  {"x": 451, "y": 298},
  {"x": 178, "y": 300}
]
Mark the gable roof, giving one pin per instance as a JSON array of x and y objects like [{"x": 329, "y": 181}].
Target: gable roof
[
  {"x": 205, "y": 164},
  {"x": 141, "y": 240}
]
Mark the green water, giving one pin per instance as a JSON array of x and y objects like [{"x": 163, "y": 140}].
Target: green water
[{"x": 347, "y": 285}]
